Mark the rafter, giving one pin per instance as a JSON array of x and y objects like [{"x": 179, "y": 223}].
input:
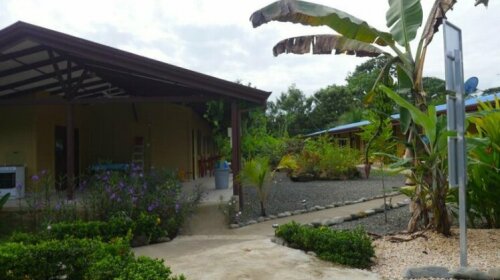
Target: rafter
[
  {"x": 31, "y": 66},
  {"x": 34, "y": 80},
  {"x": 21, "y": 53}
]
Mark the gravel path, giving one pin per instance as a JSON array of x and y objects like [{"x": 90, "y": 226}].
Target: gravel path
[
  {"x": 397, "y": 220},
  {"x": 286, "y": 195}
]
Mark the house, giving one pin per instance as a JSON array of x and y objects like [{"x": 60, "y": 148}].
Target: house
[
  {"x": 68, "y": 104},
  {"x": 348, "y": 134}
]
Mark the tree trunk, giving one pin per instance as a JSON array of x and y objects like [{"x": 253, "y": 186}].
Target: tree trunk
[{"x": 262, "y": 209}]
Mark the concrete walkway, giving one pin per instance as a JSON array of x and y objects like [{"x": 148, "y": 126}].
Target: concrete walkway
[{"x": 207, "y": 249}]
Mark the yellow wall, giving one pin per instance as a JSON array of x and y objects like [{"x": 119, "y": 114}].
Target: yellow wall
[
  {"x": 106, "y": 133},
  {"x": 17, "y": 137}
]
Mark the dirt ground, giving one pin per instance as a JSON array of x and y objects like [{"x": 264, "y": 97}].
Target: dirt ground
[{"x": 434, "y": 249}]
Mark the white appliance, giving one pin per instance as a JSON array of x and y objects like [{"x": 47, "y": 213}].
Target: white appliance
[{"x": 12, "y": 181}]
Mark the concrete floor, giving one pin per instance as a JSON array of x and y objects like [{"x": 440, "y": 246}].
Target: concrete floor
[{"x": 207, "y": 249}]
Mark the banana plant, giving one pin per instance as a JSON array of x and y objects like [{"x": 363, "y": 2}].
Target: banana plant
[{"x": 356, "y": 37}]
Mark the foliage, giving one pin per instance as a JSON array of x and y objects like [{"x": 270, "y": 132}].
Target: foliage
[
  {"x": 404, "y": 18},
  {"x": 257, "y": 140},
  {"x": 4, "y": 199},
  {"x": 72, "y": 258},
  {"x": 483, "y": 187},
  {"x": 384, "y": 143},
  {"x": 353, "y": 248},
  {"x": 322, "y": 158},
  {"x": 229, "y": 210},
  {"x": 256, "y": 172},
  {"x": 215, "y": 115},
  {"x": 289, "y": 114},
  {"x": 429, "y": 169},
  {"x": 329, "y": 104},
  {"x": 147, "y": 199}
]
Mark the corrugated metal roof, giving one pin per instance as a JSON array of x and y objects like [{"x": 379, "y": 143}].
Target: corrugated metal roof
[{"x": 440, "y": 108}]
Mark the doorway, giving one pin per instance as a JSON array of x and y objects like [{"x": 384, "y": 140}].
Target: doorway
[{"x": 60, "y": 156}]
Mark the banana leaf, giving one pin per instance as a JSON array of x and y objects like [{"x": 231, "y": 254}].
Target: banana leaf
[{"x": 404, "y": 17}]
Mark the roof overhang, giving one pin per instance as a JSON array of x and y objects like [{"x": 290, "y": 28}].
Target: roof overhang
[{"x": 35, "y": 60}]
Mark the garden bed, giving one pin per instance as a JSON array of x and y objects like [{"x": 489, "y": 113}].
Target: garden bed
[{"x": 286, "y": 195}]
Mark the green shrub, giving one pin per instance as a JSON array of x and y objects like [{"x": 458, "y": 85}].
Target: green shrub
[
  {"x": 348, "y": 247},
  {"x": 322, "y": 158},
  {"x": 117, "y": 226},
  {"x": 144, "y": 268},
  {"x": 72, "y": 258},
  {"x": 55, "y": 258}
]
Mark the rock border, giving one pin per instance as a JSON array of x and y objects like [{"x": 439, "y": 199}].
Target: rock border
[{"x": 333, "y": 220}]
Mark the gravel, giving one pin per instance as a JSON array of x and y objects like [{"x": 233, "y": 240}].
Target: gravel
[
  {"x": 286, "y": 195},
  {"x": 397, "y": 220}
]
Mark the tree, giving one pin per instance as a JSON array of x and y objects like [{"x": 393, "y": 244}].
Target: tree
[
  {"x": 435, "y": 89},
  {"x": 289, "y": 114},
  {"x": 357, "y": 37},
  {"x": 329, "y": 104}
]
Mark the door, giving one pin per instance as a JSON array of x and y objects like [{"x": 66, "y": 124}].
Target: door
[{"x": 61, "y": 157}]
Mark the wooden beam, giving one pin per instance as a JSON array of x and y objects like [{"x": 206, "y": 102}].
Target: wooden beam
[
  {"x": 82, "y": 86},
  {"x": 236, "y": 151},
  {"x": 70, "y": 151},
  {"x": 21, "y": 53},
  {"x": 33, "y": 80},
  {"x": 31, "y": 66},
  {"x": 144, "y": 99}
]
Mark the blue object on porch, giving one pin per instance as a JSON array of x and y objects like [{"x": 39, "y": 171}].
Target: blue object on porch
[
  {"x": 99, "y": 167},
  {"x": 221, "y": 175}
]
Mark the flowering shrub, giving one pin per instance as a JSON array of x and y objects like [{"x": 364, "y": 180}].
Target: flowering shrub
[
  {"x": 229, "y": 209},
  {"x": 153, "y": 201}
]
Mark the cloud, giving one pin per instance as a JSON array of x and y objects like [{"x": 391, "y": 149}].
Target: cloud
[{"x": 216, "y": 37}]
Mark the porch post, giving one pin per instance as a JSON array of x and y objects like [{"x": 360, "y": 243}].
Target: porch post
[
  {"x": 236, "y": 150},
  {"x": 70, "y": 151}
]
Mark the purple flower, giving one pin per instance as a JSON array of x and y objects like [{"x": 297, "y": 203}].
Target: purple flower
[
  {"x": 58, "y": 206},
  {"x": 152, "y": 206},
  {"x": 113, "y": 196},
  {"x": 134, "y": 199},
  {"x": 35, "y": 178},
  {"x": 44, "y": 172},
  {"x": 177, "y": 207},
  {"x": 121, "y": 185},
  {"x": 19, "y": 187}
]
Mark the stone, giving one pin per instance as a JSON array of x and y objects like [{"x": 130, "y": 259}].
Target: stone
[
  {"x": 267, "y": 219},
  {"x": 278, "y": 240},
  {"x": 164, "y": 239},
  {"x": 426, "y": 272},
  {"x": 233, "y": 226},
  {"x": 297, "y": 212},
  {"x": 316, "y": 223},
  {"x": 363, "y": 199},
  {"x": 354, "y": 217},
  {"x": 494, "y": 273},
  {"x": 272, "y": 217},
  {"x": 347, "y": 218},
  {"x": 311, "y": 253},
  {"x": 348, "y": 202},
  {"x": 329, "y": 206},
  {"x": 338, "y": 204},
  {"x": 261, "y": 219},
  {"x": 334, "y": 221},
  {"x": 284, "y": 214},
  {"x": 469, "y": 273},
  {"x": 369, "y": 212},
  {"x": 251, "y": 222},
  {"x": 319, "y": 207},
  {"x": 379, "y": 210}
]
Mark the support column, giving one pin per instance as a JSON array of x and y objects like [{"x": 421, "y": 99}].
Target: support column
[
  {"x": 70, "y": 151},
  {"x": 236, "y": 150}
]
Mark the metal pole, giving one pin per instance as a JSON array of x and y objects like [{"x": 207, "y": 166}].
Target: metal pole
[{"x": 461, "y": 156}]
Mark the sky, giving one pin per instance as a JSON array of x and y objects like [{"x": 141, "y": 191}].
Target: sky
[{"x": 216, "y": 37}]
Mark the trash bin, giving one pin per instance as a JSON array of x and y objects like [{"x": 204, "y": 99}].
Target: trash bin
[{"x": 221, "y": 175}]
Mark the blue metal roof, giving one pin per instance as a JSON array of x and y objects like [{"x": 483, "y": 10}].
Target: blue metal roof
[{"x": 439, "y": 108}]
